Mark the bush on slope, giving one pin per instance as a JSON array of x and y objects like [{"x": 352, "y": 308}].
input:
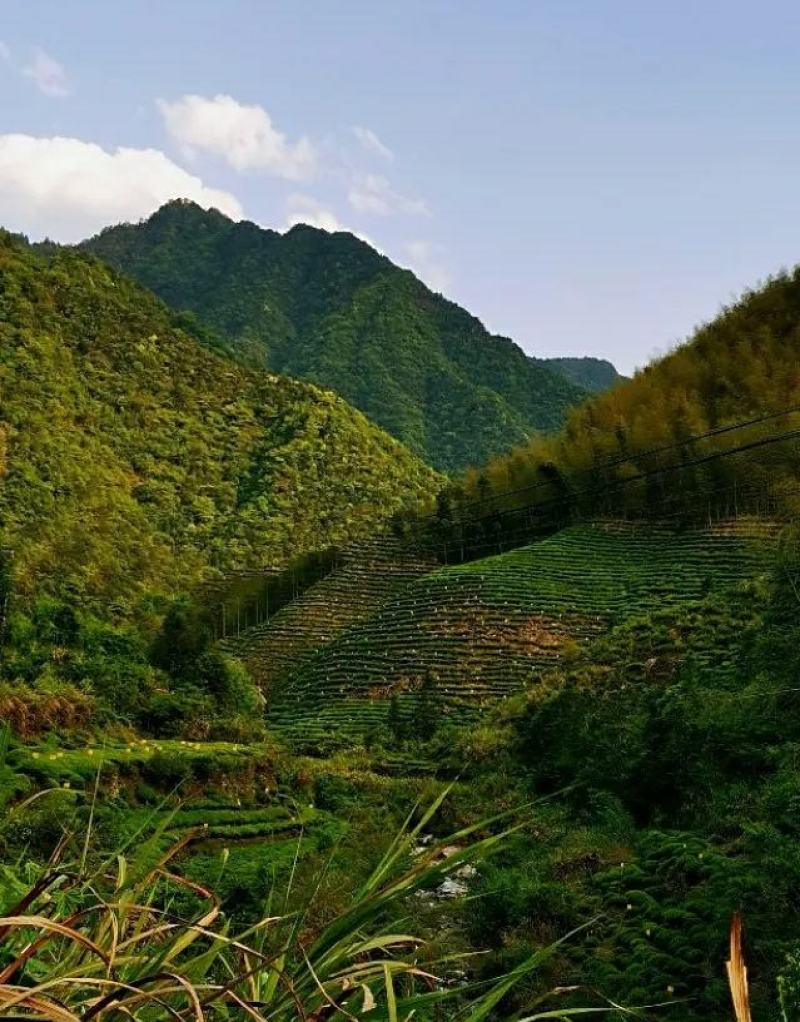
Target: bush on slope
[{"x": 742, "y": 364}]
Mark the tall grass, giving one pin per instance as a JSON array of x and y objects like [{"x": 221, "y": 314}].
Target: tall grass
[{"x": 111, "y": 943}]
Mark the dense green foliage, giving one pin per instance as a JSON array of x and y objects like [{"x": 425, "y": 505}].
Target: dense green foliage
[
  {"x": 181, "y": 462},
  {"x": 71, "y": 671},
  {"x": 633, "y": 686},
  {"x": 677, "y": 734},
  {"x": 656, "y": 672},
  {"x": 94, "y": 935},
  {"x": 330, "y": 309},
  {"x": 136, "y": 464}
]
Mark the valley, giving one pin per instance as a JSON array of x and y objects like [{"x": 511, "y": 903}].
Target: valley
[
  {"x": 399, "y": 512},
  {"x": 263, "y": 663}
]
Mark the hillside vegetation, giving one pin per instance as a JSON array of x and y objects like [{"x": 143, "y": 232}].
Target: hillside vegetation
[
  {"x": 135, "y": 460},
  {"x": 744, "y": 363},
  {"x": 330, "y": 309},
  {"x": 675, "y": 737},
  {"x": 636, "y": 675},
  {"x": 605, "y": 719},
  {"x": 464, "y": 637}
]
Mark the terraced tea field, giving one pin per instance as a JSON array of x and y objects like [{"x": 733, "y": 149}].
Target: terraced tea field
[
  {"x": 482, "y": 630},
  {"x": 228, "y": 821},
  {"x": 370, "y": 574},
  {"x": 222, "y": 793}
]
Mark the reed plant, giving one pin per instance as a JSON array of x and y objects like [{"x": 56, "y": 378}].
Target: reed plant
[{"x": 108, "y": 937}]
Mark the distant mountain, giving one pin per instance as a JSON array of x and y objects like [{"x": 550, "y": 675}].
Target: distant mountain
[
  {"x": 330, "y": 309},
  {"x": 134, "y": 461},
  {"x": 592, "y": 374}
]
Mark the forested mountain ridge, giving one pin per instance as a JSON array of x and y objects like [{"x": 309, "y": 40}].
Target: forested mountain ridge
[
  {"x": 330, "y": 309},
  {"x": 593, "y": 374},
  {"x": 112, "y": 413}
]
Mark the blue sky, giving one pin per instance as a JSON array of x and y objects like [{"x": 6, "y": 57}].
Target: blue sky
[{"x": 587, "y": 177}]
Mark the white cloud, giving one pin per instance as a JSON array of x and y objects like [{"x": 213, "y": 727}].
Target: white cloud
[
  {"x": 47, "y": 74},
  {"x": 242, "y": 135},
  {"x": 372, "y": 193},
  {"x": 304, "y": 209},
  {"x": 372, "y": 144},
  {"x": 66, "y": 189},
  {"x": 5, "y": 53},
  {"x": 426, "y": 259}
]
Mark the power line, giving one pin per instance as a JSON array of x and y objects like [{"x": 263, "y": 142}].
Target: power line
[
  {"x": 539, "y": 510},
  {"x": 664, "y": 470},
  {"x": 634, "y": 455},
  {"x": 542, "y": 517}
]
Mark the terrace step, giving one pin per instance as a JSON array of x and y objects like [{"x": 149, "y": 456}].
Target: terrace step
[{"x": 486, "y": 629}]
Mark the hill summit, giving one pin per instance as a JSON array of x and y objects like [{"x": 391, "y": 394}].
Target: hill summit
[{"x": 330, "y": 309}]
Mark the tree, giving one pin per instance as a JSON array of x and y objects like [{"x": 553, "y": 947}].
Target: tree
[
  {"x": 483, "y": 487},
  {"x": 395, "y": 722},
  {"x": 185, "y": 635},
  {"x": 427, "y": 709},
  {"x": 56, "y": 623}
]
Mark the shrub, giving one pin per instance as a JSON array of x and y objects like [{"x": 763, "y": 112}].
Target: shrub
[
  {"x": 56, "y": 707},
  {"x": 166, "y": 770}
]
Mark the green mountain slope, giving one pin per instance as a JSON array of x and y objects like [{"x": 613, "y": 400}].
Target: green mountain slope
[
  {"x": 134, "y": 459},
  {"x": 330, "y": 309}
]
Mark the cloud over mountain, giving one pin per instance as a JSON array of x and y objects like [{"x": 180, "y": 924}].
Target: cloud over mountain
[
  {"x": 370, "y": 143},
  {"x": 66, "y": 188},
  {"x": 373, "y": 193},
  {"x": 305, "y": 209}
]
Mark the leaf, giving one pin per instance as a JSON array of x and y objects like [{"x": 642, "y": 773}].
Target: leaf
[
  {"x": 369, "y": 999},
  {"x": 391, "y": 1000},
  {"x": 737, "y": 973},
  {"x": 50, "y": 925}
]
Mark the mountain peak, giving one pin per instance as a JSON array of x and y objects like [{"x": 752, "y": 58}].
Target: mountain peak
[
  {"x": 331, "y": 309},
  {"x": 188, "y": 209}
]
